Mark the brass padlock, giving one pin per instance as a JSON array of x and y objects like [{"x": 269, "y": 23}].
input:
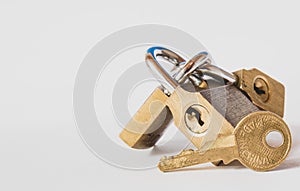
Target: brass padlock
[
  {"x": 147, "y": 126},
  {"x": 206, "y": 113}
]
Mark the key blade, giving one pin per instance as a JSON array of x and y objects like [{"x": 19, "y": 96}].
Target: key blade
[
  {"x": 195, "y": 157},
  {"x": 224, "y": 148}
]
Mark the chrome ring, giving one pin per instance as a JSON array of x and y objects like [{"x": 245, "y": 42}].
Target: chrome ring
[
  {"x": 164, "y": 77},
  {"x": 194, "y": 63},
  {"x": 216, "y": 72},
  {"x": 199, "y": 64}
]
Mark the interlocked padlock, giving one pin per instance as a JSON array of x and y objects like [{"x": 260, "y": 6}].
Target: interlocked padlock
[{"x": 227, "y": 116}]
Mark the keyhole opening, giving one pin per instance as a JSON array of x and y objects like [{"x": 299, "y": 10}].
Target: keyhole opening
[
  {"x": 194, "y": 113},
  {"x": 274, "y": 139},
  {"x": 261, "y": 88},
  {"x": 197, "y": 119},
  {"x": 258, "y": 90}
]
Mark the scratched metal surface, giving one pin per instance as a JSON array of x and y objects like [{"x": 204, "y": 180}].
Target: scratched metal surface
[{"x": 230, "y": 102}]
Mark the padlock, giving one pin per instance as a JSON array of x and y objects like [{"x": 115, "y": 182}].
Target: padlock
[
  {"x": 206, "y": 128},
  {"x": 147, "y": 126}
]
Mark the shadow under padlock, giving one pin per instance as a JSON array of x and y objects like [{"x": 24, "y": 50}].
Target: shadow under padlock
[{"x": 225, "y": 99}]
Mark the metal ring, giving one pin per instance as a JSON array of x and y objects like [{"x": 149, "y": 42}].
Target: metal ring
[
  {"x": 199, "y": 64},
  {"x": 166, "y": 54},
  {"x": 194, "y": 63},
  {"x": 216, "y": 72},
  {"x": 202, "y": 64},
  {"x": 158, "y": 71}
]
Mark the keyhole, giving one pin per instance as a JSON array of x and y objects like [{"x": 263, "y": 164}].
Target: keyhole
[
  {"x": 261, "y": 88},
  {"x": 258, "y": 90},
  {"x": 197, "y": 119},
  {"x": 194, "y": 113}
]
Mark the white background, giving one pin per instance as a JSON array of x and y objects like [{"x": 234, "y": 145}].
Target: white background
[{"x": 43, "y": 43}]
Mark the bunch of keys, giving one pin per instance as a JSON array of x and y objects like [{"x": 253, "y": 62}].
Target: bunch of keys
[{"x": 227, "y": 116}]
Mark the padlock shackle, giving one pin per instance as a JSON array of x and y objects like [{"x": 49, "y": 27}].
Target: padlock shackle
[
  {"x": 197, "y": 61},
  {"x": 159, "y": 72},
  {"x": 200, "y": 63}
]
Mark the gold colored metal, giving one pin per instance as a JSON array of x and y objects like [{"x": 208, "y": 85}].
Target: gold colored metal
[
  {"x": 148, "y": 124},
  {"x": 215, "y": 137},
  {"x": 264, "y": 91},
  {"x": 193, "y": 119},
  {"x": 181, "y": 101},
  {"x": 246, "y": 143}
]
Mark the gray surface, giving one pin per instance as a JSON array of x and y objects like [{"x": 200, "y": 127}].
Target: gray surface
[{"x": 232, "y": 103}]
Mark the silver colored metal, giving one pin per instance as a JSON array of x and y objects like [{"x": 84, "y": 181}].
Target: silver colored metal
[
  {"x": 196, "y": 69},
  {"x": 153, "y": 54},
  {"x": 216, "y": 72},
  {"x": 195, "y": 79},
  {"x": 191, "y": 66},
  {"x": 181, "y": 72}
]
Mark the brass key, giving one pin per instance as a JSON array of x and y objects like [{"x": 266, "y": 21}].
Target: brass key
[{"x": 246, "y": 143}]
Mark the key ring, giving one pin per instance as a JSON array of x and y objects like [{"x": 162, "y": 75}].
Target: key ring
[
  {"x": 182, "y": 72},
  {"x": 199, "y": 64},
  {"x": 197, "y": 61},
  {"x": 216, "y": 73},
  {"x": 158, "y": 71},
  {"x": 202, "y": 64}
]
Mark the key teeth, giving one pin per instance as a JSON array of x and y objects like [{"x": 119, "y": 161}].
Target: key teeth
[
  {"x": 164, "y": 164},
  {"x": 182, "y": 153},
  {"x": 162, "y": 167},
  {"x": 226, "y": 162},
  {"x": 186, "y": 152},
  {"x": 165, "y": 158},
  {"x": 167, "y": 162},
  {"x": 168, "y": 166}
]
